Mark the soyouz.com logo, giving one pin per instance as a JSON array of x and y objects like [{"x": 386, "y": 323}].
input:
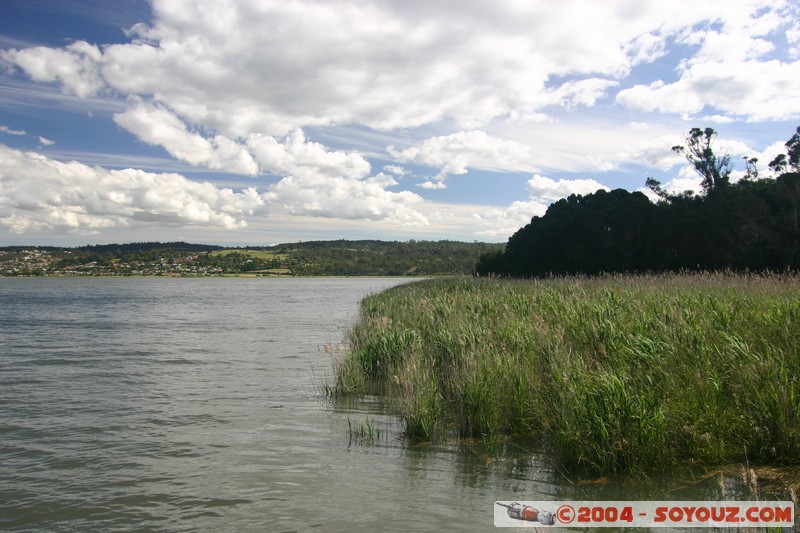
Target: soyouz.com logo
[{"x": 643, "y": 514}]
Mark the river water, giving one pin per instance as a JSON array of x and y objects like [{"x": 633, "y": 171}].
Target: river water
[{"x": 195, "y": 405}]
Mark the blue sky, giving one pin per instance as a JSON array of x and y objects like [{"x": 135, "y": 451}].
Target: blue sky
[{"x": 253, "y": 122}]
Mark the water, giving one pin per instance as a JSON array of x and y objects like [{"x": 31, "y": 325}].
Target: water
[{"x": 194, "y": 405}]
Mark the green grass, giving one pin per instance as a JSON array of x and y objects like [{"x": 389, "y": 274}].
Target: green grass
[
  {"x": 365, "y": 432},
  {"x": 616, "y": 374}
]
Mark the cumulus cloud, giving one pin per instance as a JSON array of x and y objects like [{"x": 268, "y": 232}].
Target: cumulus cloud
[
  {"x": 653, "y": 152},
  {"x": 299, "y": 157},
  {"x": 236, "y": 68},
  {"x": 75, "y": 66},
  {"x": 155, "y": 125},
  {"x": 742, "y": 89},
  {"x": 433, "y": 185},
  {"x": 395, "y": 170},
  {"x": 687, "y": 180},
  {"x": 41, "y": 194},
  {"x": 245, "y": 87},
  {"x": 731, "y": 72},
  {"x": 573, "y": 94},
  {"x": 548, "y": 190},
  {"x": 293, "y": 155},
  {"x": 382, "y": 180},
  {"x": 348, "y": 199},
  {"x": 454, "y": 154}
]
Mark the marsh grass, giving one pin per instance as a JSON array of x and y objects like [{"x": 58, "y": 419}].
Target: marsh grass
[
  {"x": 364, "y": 432},
  {"x": 616, "y": 373}
]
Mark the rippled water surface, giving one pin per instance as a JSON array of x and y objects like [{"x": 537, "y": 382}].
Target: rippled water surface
[{"x": 194, "y": 405}]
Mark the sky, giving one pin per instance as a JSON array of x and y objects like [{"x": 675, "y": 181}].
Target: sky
[{"x": 258, "y": 122}]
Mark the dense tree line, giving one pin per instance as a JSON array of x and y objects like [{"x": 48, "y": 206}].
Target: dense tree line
[
  {"x": 748, "y": 225},
  {"x": 120, "y": 250}
]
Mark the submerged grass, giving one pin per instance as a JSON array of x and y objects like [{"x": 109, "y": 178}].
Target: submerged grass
[
  {"x": 364, "y": 432},
  {"x": 618, "y": 373}
]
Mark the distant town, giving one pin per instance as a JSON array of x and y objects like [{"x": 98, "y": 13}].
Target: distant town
[{"x": 36, "y": 262}]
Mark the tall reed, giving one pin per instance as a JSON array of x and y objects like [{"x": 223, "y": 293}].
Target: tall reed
[{"x": 618, "y": 373}]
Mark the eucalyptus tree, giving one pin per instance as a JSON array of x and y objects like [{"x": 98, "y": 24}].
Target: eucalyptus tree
[
  {"x": 714, "y": 169},
  {"x": 784, "y": 162}
]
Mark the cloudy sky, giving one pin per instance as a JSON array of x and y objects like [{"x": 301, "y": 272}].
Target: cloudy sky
[{"x": 266, "y": 121}]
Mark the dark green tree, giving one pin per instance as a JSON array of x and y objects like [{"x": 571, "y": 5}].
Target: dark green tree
[
  {"x": 751, "y": 171},
  {"x": 789, "y": 188},
  {"x": 779, "y": 164},
  {"x": 753, "y": 224}
]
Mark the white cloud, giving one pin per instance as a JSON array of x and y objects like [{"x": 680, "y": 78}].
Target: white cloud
[
  {"x": 741, "y": 34},
  {"x": 646, "y": 48},
  {"x": 652, "y": 152},
  {"x": 9, "y": 131},
  {"x": 236, "y": 67},
  {"x": 716, "y": 119},
  {"x": 496, "y": 223},
  {"x": 343, "y": 198},
  {"x": 382, "y": 180},
  {"x": 547, "y": 190},
  {"x": 44, "y": 141},
  {"x": 41, "y": 194},
  {"x": 750, "y": 89},
  {"x": 299, "y": 157},
  {"x": 155, "y": 125},
  {"x": 396, "y": 170},
  {"x": 288, "y": 88},
  {"x": 573, "y": 94},
  {"x": 433, "y": 185},
  {"x": 454, "y": 154},
  {"x": 259, "y": 153},
  {"x": 793, "y": 38},
  {"x": 686, "y": 181},
  {"x": 38, "y": 193},
  {"x": 75, "y": 66},
  {"x": 731, "y": 71},
  {"x": 736, "y": 149}
]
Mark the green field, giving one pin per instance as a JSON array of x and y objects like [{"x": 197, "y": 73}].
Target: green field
[
  {"x": 615, "y": 374},
  {"x": 266, "y": 255}
]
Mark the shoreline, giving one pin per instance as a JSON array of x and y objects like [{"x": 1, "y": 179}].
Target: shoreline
[{"x": 219, "y": 276}]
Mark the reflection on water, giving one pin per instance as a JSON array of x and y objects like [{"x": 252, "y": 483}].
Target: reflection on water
[{"x": 194, "y": 405}]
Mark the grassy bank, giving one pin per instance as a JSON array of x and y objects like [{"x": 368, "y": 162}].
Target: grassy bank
[{"x": 617, "y": 374}]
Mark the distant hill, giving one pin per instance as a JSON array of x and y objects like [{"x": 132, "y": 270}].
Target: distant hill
[
  {"x": 382, "y": 258},
  {"x": 313, "y": 258}
]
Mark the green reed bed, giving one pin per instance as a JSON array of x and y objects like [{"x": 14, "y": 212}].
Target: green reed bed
[{"x": 617, "y": 374}]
